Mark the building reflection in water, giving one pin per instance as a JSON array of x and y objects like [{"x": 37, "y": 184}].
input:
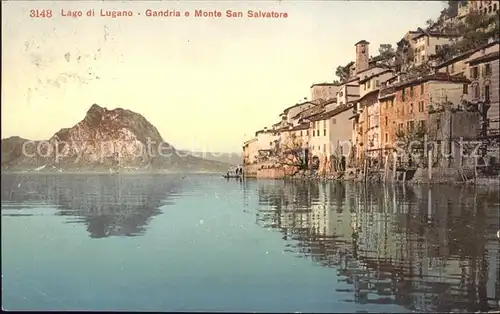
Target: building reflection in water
[
  {"x": 110, "y": 205},
  {"x": 424, "y": 249}
]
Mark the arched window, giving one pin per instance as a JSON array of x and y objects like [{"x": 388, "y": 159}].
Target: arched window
[{"x": 476, "y": 92}]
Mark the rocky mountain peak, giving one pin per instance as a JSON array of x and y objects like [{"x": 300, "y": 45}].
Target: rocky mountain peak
[{"x": 103, "y": 139}]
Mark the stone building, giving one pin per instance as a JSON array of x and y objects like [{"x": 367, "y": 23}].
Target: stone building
[
  {"x": 484, "y": 86},
  {"x": 482, "y": 6},
  {"x": 386, "y": 99},
  {"x": 330, "y": 136},
  {"x": 366, "y": 118},
  {"x": 480, "y": 66},
  {"x": 451, "y": 134},
  {"x": 250, "y": 151},
  {"x": 413, "y": 100},
  {"x": 365, "y": 125},
  {"x": 324, "y": 91},
  {"x": 288, "y": 114},
  {"x": 427, "y": 43}
]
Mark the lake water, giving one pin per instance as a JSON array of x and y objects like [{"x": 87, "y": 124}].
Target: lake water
[{"x": 202, "y": 243}]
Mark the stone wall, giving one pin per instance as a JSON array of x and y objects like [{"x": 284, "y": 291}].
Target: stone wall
[{"x": 270, "y": 173}]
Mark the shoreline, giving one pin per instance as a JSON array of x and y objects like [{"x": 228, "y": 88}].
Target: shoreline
[{"x": 112, "y": 173}]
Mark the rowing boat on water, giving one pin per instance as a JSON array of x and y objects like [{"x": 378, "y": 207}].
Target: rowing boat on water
[{"x": 231, "y": 176}]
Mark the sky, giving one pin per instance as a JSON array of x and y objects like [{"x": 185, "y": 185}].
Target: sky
[{"x": 205, "y": 83}]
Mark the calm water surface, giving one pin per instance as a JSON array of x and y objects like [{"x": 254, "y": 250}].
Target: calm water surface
[{"x": 201, "y": 243}]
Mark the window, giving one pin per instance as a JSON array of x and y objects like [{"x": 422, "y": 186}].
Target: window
[
  {"x": 487, "y": 93},
  {"x": 495, "y": 8},
  {"x": 474, "y": 73},
  {"x": 313, "y": 133},
  {"x": 487, "y": 70},
  {"x": 421, "y": 124},
  {"x": 324, "y": 148},
  {"x": 452, "y": 68},
  {"x": 317, "y": 133},
  {"x": 324, "y": 132},
  {"x": 428, "y": 41},
  {"x": 489, "y": 9},
  {"x": 465, "y": 90},
  {"x": 438, "y": 47},
  {"x": 307, "y": 132},
  {"x": 386, "y": 121},
  {"x": 386, "y": 137},
  {"x": 421, "y": 106},
  {"x": 392, "y": 102},
  {"x": 334, "y": 121},
  {"x": 270, "y": 143},
  {"x": 368, "y": 84},
  {"x": 403, "y": 95},
  {"x": 422, "y": 89},
  {"x": 411, "y": 92},
  {"x": 411, "y": 108},
  {"x": 438, "y": 124},
  {"x": 477, "y": 92},
  {"x": 300, "y": 133},
  {"x": 377, "y": 83}
]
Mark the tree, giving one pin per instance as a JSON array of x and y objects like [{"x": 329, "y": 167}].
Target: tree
[
  {"x": 445, "y": 52},
  {"x": 290, "y": 153},
  {"x": 410, "y": 141},
  {"x": 430, "y": 24},
  {"x": 386, "y": 51},
  {"x": 404, "y": 54},
  {"x": 343, "y": 72},
  {"x": 387, "y": 54},
  {"x": 477, "y": 30}
]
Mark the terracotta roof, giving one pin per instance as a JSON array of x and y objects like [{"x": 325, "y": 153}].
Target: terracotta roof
[
  {"x": 312, "y": 111},
  {"x": 434, "y": 34},
  {"x": 387, "y": 92},
  {"x": 434, "y": 77},
  {"x": 297, "y": 105},
  {"x": 312, "y": 114},
  {"x": 361, "y": 42},
  {"x": 370, "y": 68},
  {"x": 302, "y": 126},
  {"x": 375, "y": 91},
  {"x": 325, "y": 84},
  {"x": 248, "y": 142},
  {"x": 374, "y": 75},
  {"x": 332, "y": 113},
  {"x": 487, "y": 57},
  {"x": 352, "y": 79}
]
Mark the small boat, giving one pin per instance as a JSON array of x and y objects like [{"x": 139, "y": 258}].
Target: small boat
[{"x": 232, "y": 176}]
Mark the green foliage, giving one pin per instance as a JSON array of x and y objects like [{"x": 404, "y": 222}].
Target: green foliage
[
  {"x": 387, "y": 53},
  {"x": 404, "y": 54},
  {"x": 477, "y": 30},
  {"x": 342, "y": 72}
]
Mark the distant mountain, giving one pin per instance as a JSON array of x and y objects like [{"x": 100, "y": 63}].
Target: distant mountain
[
  {"x": 231, "y": 158},
  {"x": 104, "y": 140}
]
